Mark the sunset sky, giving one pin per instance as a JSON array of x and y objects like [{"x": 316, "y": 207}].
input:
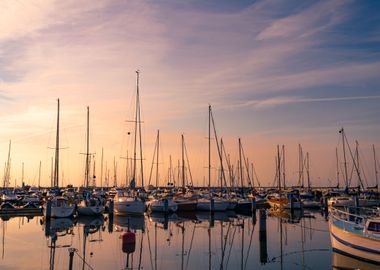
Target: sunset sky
[{"x": 275, "y": 72}]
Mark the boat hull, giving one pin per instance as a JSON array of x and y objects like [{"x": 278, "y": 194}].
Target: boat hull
[
  {"x": 353, "y": 245},
  {"x": 159, "y": 206},
  {"x": 90, "y": 210},
  {"x": 205, "y": 205},
  {"x": 129, "y": 208},
  {"x": 186, "y": 206},
  {"x": 62, "y": 212}
]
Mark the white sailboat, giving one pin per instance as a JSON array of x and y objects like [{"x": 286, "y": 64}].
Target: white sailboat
[
  {"x": 126, "y": 203},
  {"x": 91, "y": 205},
  {"x": 60, "y": 206},
  {"x": 209, "y": 202},
  {"x": 130, "y": 202}
]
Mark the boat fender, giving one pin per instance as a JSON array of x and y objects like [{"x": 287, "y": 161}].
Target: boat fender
[{"x": 129, "y": 242}]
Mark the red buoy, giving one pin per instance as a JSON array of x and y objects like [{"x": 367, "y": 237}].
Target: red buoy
[{"x": 129, "y": 242}]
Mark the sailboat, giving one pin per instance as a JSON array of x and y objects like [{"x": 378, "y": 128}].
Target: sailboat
[
  {"x": 8, "y": 195},
  {"x": 279, "y": 201},
  {"x": 60, "y": 206},
  {"x": 209, "y": 202},
  {"x": 91, "y": 205},
  {"x": 160, "y": 202},
  {"x": 185, "y": 202},
  {"x": 129, "y": 202}
]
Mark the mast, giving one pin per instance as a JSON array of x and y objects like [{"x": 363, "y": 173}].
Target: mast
[
  {"x": 283, "y": 164},
  {"x": 337, "y": 167},
  {"x": 183, "y": 164},
  {"x": 101, "y": 170},
  {"x": 171, "y": 176},
  {"x": 52, "y": 173},
  {"x": 93, "y": 174},
  {"x": 22, "y": 176},
  {"x": 56, "y": 165},
  {"x": 219, "y": 150},
  {"x": 7, "y": 167},
  {"x": 307, "y": 169},
  {"x": 87, "y": 170},
  {"x": 141, "y": 156},
  {"x": 241, "y": 167},
  {"x": 114, "y": 172},
  {"x": 39, "y": 176},
  {"x": 357, "y": 164},
  {"x": 138, "y": 130},
  {"x": 158, "y": 152},
  {"x": 279, "y": 167},
  {"x": 374, "y": 158},
  {"x": 209, "y": 146},
  {"x": 344, "y": 157}
]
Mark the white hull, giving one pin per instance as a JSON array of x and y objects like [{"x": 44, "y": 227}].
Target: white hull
[
  {"x": 90, "y": 210},
  {"x": 205, "y": 205},
  {"x": 159, "y": 206},
  {"x": 129, "y": 207},
  {"x": 354, "y": 245}
]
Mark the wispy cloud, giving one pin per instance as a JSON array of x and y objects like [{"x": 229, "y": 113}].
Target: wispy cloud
[{"x": 285, "y": 100}]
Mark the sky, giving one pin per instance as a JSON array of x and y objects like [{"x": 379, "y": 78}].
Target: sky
[{"x": 275, "y": 72}]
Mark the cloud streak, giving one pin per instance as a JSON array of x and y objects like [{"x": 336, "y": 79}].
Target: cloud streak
[{"x": 285, "y": 100}]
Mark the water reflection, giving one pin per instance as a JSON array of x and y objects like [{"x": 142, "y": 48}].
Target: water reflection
[
  {"x": 57, "y": 229},
  {"x": 185, "y": 241}
]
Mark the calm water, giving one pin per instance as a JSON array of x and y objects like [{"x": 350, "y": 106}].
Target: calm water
[{"x": 196, "y": 241}]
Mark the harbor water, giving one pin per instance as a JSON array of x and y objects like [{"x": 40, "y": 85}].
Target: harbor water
[{"x": 196, "y": 240}]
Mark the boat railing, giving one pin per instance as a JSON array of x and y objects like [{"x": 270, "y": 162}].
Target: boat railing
[{"x": 353, "y": 216}]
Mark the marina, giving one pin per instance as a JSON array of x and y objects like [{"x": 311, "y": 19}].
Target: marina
[{"x": 189, "y": 135}]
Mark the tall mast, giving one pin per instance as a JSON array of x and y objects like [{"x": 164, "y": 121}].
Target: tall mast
[
  {"x": 344, "y": 157},
  {"x": 101, "y": 170},
  {"x": 39, "y": 176},
  {"x": 139, "y": 111},
  {"x": 93, "y": 174},
  {"x": 171, "y": 177},
  {"x": 7, "y": 167},
  {"x": 183, "y": 163},
  {"x": 158, "y": 152},
  {"x": 136, "y": 117},
  {"x": 56, "y": 165},
  {"x": 114, "y": 172},
  {"x": 307, "y": 169},
  {"x": 337, "y": 167},
  {"x": 52, "y": 172},
  {"x": 241, "y": 167},
  {"x": 87, "y": 172},
  {"x": 209, "y": 146},
  {"x": 219, "y": 150},
  {"x": 283, "y": 165},
  {"x": 221, "y": 167},
  {"x": 22, "y": 176},
  {"x": 357, "y": 165},
  {"x": 179, "y": 172},
  {"x": 279, "y": 168},
  {"x": 374, "y": 158}
]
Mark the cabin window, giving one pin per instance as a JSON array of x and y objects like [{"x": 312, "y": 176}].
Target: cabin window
[{"x": 374, "y": 227}]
